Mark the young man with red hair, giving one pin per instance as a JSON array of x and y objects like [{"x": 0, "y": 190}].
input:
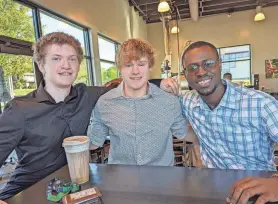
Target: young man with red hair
[{"x": 139, "y": 118}]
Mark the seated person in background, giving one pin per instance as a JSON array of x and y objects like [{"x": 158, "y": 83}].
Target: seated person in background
[
  {"x": 237, "y": 127},
  {"x": 139, "y": 117},
  {"x": 36, "y": 124},
  {"x": 228, "y": 76}
]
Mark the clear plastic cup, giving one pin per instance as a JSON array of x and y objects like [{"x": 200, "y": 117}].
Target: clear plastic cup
[{"x": 77, "y": 151}]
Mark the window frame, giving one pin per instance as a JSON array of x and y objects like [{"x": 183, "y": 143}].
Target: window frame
[
  {"x": 228, "y": 61},
  {"x": 88, "y": 55},
  {"x": 116, "y": 45}
]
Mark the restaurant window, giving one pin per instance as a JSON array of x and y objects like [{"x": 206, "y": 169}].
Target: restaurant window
[
  {"x": 51, "y": 23},
  {"x": 107, "y": 55},
  {"x": 237, "y": 61},
  {"x": 24, "y": 20},
  {"x": 17, "y": 34}
]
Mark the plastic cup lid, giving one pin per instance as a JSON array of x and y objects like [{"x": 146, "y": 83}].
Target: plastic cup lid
[{"x": 75, "y": 140}]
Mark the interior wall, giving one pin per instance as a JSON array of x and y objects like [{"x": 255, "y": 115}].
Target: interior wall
[
  {"x": 222, "y": 31},
  {"x": 113, "y": 18}
]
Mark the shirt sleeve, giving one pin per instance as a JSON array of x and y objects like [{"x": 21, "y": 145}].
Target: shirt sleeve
[
  {"x": 11, "y": 130},
  {"x": 97, "y": 130},
  {"x": 269, "y": 114},
  {"x": 155, "y": 82},
  {"x": 179, "y": 127}
]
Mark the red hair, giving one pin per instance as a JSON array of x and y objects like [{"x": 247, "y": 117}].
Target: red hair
[{"x": 134, "y": 49}]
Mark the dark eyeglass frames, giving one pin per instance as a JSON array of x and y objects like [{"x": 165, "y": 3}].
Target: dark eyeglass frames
[{"x": 207, "y": 64}]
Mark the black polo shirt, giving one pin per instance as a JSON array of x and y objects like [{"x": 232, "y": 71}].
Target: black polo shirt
[{"x": 35, "y": 126}]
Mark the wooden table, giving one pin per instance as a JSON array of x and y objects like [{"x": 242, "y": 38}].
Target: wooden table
[{"x": 148, "y": 185}]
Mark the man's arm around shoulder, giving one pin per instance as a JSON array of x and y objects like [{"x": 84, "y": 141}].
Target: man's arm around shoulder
[{"x": 179, "y": 127}]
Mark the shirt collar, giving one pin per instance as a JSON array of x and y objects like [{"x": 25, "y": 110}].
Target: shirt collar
[
  {"x": 42, "y": 95},
  {"x": 228, "y": 100},
  {"x": 119, "y": 91}
]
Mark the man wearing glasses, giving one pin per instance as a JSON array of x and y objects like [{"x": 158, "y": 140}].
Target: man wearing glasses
[{"x": 237, "y": 127}]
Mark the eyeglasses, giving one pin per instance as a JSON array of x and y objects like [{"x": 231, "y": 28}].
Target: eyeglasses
[{"x": 207, "y": 64}]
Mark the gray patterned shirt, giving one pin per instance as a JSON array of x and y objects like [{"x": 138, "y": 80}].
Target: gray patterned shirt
[{"x": 140, "y": 129}]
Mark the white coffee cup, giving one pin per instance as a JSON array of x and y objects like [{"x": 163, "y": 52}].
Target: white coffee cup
[{"x": 77, "y": 151}]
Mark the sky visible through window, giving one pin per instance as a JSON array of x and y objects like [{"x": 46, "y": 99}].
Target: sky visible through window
[{"x": 50, "y": 24}]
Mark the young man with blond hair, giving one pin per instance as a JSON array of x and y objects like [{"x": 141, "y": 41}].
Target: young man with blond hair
[{"x": 139, "y": 117}]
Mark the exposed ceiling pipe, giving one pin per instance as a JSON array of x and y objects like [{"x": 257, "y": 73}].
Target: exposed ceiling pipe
[
  {"x": 194, "y": 9},
  {"x": 166, "y": 64},
  {"x": 166, "y": 32}
]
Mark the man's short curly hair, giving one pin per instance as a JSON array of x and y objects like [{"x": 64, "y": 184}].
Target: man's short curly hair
[
  {"x": 58, "y": 38},
  {"x": 134, "y": 49}
]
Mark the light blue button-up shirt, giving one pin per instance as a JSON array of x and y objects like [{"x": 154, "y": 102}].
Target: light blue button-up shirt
[
  {"x": 140, "y": 129},
  {"x": 240, "y": 133}
]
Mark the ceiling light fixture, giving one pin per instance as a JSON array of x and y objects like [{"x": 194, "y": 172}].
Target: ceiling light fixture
[
  {"x": 163, "y": 6},
  {"x": 230, "y": 12},
  {"x": 259, "y": 14},
  {"x": 175, "y": 30}
]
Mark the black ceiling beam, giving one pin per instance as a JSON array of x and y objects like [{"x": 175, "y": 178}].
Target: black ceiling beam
[
  {"x": 232, "y": 5},
  {"x": 267, "y": 1},
  {"x": 238, "y": 7},
  {"x": 180, "y": 2},
  {"x": 149, "y": 12},
  {"x": 153, "y": 21},
  {"x": 156, "y": 2},
  {"x": 224, "y": 2},
  {"x": 130, "y": 3},
  {"x": 155, "y": 6},
  {"x": 157, "y": 17},
  {"x": 154, "y": 12},
  {"x": 226, "y": 10},
  {"x": 143, "y": 2},
  {"x": 273, "y": 3},
  {"x": 219, "y": 10},
  {"x": 185, "y": 6},
  {"x": 149, "y": 7}
]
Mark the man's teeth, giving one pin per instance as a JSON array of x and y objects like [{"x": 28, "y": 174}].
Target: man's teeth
[
  {"x": 204, "y": 82},
  {"x": 136, "y": 78},
  {"x": 65, "y": 74}
]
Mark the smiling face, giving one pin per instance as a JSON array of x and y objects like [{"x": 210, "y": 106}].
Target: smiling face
[
  {"x": 60, "y": 65},
  {"x": 135, "y": 59},
  {"x": 135, "y": 74},
  {"x": 207, "y": 78}
]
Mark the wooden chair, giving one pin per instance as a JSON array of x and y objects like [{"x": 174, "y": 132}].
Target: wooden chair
[
  {"x": 179, "y": 151},
  {"x": 193, "y": 157},
  {"x": 187, "y": 151},
  {"x": 100, "y": 155}
]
